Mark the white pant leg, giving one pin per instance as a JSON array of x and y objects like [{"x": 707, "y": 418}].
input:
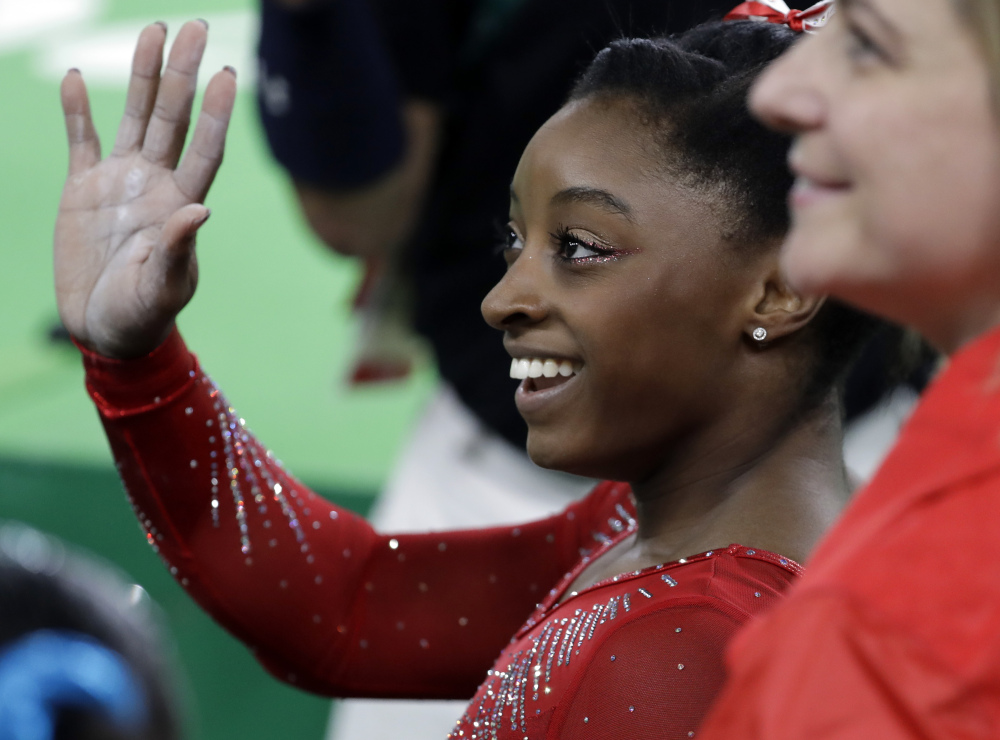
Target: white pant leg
[{"x": 453, "y": 473}]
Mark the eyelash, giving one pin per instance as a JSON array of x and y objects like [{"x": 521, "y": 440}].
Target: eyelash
[
  {"x": 861, "y": 47},
  {"x": 504, "y": 237},
  {"x": 566, "y": 243}
]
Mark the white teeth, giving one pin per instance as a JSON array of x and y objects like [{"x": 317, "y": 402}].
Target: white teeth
[
  {"x": 537, "y": 368},
  {"x": 519, "y": 369}
]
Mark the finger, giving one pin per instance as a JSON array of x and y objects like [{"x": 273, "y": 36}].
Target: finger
[
  {"x": 142, "y": 87},
  {"x": 84, "y": 146},
  {"x": 172, "y": 272},
  {"x": 172, "y": 112},
  {"x": 204, "y": 155}
]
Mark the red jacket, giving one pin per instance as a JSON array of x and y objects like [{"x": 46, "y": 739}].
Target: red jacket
[{"x": 894, "y": 631}]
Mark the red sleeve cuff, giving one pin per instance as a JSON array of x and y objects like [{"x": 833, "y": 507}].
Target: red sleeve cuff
[{"x": 127, "y": 387}]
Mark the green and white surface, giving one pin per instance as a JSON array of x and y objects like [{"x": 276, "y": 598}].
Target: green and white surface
[{"x": 269, "y": 322}]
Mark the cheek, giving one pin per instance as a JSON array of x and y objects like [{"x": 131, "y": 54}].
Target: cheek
[
  {"x": 654, "y": 341},
  {"x": 933, "y": 202},
  {"x": 923, "y": 201},
  {"x": 649, "y": 364}
]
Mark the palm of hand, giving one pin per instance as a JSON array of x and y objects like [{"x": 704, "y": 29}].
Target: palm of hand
[
  {"x": 124, "y": 237},
  {"x": 110, "y": 221}
]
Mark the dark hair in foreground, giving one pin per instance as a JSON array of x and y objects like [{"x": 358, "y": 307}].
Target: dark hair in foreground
[
  {"x": 690, "y": 91},
  {"x": 62, "y": 616}
]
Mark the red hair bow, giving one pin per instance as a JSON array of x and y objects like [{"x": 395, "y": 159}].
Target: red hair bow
[{"x": 775, "y": 11}]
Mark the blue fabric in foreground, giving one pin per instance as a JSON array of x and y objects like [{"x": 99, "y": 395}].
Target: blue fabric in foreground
[{"x": 49, "y": 670}]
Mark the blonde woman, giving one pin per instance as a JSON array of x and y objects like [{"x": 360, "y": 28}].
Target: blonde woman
[{"x": 895, "y": 630}]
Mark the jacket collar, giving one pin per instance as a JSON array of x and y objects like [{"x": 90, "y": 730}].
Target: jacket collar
[{"x": 952, "y": 436}]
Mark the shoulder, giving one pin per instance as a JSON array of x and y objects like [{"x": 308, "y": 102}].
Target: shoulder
[
  {"x": 886, "y": 682},
  {"x": 656, "y": 664}
]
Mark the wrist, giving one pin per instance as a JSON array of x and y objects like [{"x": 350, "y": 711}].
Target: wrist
[{"x": 122, "y": 387}]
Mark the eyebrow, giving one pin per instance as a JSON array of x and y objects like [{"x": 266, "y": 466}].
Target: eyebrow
[
  {"x": 595, "y": 197},
  {"x": 866, "y": 6},
  {"x": 590, "y": 196}
]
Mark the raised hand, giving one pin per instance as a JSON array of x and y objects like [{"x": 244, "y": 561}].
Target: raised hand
[{"x": 124, "y": 239}]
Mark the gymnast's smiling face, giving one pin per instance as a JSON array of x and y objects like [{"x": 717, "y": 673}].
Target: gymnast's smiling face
[{"x": 622, "y": 301}]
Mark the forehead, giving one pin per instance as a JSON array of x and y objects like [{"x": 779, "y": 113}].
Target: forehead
[
  {"x": 610, "y": 133},
  {"x": 929, "y": 26},
  {"x": 596, "y": 144}
]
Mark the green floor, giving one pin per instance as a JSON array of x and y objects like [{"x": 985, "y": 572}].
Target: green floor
[{"x": 269, "y": 323}]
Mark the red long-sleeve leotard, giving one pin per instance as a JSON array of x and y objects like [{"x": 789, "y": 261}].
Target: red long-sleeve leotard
[{"x": 330, "y": 605}]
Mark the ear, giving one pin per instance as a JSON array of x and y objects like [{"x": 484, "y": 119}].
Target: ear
[{"x": 779, "y": 310}]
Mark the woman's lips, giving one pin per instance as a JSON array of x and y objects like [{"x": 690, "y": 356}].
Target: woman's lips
[
  {"x": 808, "y": 192},
  {"x": 543, "y": 379}
]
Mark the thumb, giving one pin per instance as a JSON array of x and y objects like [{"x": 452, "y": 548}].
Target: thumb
[
  {"x": 176, "y": 257},
  {"x": 177, "y": 237}
]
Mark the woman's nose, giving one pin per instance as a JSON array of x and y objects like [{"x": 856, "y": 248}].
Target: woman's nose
[
  {"x": 518, "y": 299},
  {"x": 784, "y": 97}
]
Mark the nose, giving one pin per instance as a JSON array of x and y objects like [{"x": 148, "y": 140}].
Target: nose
[
  {"x": 785, "y": 97},
  {"x": 518, "y": 299}
]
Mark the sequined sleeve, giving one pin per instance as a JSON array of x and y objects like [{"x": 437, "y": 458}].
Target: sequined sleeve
[{"x": 323, "y": 600}]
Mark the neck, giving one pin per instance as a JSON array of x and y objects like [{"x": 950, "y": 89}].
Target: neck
[
  {"x": 950, "y": 333},
  {"x": 951, "y": 310},
  {"x": 777, "y": 492}
]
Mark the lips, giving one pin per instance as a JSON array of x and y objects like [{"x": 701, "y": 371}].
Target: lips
[
  {"x": 542, "y": 379},
  {"x": 808, "y": 191},
  {"x": 818, "y": 175}
]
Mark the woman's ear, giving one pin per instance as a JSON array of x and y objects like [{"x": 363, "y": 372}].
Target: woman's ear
[{"x": 779, "y": 310}]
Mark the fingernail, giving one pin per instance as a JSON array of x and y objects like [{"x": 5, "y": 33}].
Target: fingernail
[
  {"x": 72, "y": 69},
  {"x": 203, "y": 22},
  {"x": 230, "y": 70},
  {"x": 161, "y": 24},
  {"x": 204, "y": 218}
]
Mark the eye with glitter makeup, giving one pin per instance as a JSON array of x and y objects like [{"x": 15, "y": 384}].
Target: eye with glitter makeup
[
  {"x": 574, "y": 250},
  {"x": 508, "y": 243}
]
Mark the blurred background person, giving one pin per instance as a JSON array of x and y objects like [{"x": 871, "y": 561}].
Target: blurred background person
[{"x": 81, "y": 651}]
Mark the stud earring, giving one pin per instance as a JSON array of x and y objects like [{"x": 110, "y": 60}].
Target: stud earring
[{"x": 760, "y": 333}]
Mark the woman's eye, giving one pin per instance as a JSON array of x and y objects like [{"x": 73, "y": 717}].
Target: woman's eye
[
  {"x": 862, "y": 48},
  {"x": 510, "y": 245},
  {"x": 573, "y": 249}
]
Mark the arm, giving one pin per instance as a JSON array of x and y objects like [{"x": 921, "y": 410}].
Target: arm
[
  {"x": 125, "y": 265},
  {"x": 323, "y": 600}
]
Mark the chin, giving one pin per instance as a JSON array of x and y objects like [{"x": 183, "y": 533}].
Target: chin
[
  {"x": 556, "y": 454},
  {"x": 824, "y": 248},
  {"x": 547, "y": 455},
  {"x": 814, "y": 265}
]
